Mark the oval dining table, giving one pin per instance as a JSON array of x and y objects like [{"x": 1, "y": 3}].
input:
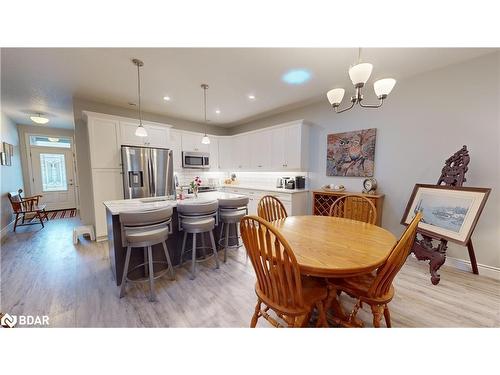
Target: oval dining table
[{"x": 333, "y": 247}]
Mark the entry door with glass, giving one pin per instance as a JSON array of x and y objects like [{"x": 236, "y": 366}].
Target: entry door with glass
[{"x": 52, "y": 171}]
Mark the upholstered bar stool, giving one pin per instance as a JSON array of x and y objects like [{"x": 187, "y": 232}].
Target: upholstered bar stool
[
  {"x": 231, "y": 211},
  {"x": 143, "y": 229},
  {"x": 198, "y": 218}
]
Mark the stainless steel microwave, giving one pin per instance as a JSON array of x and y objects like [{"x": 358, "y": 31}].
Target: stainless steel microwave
[{"x": 191, "y": 159}]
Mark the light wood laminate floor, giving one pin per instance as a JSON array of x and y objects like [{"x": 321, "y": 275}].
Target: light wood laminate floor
[{"x": 43, "y": 273}]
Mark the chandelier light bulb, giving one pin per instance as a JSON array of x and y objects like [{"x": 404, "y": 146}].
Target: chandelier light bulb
[
  {"x": 335, "y": 96},
  {"x": 383, "y": 87},
  {"x": 205, "y": 140},
  {"x": 360, "y": 73}
]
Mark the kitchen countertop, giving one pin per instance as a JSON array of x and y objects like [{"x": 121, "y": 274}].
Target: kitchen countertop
[
  {"x": 265, "y": 188},
  {"x": 145, "y": 204}
]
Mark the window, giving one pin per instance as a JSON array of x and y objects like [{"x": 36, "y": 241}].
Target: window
[
  {"x": 46, "y": 141},
  {"x": 53, "y": 169}
]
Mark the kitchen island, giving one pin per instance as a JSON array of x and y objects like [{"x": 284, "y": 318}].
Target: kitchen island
[{"x": 115, "y": 236}]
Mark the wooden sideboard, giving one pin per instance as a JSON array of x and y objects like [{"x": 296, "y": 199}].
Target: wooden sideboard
[{"x": 323, "y": 200}]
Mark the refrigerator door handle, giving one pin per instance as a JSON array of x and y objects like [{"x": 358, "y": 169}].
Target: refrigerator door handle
[{"x": 151, "y": 177}]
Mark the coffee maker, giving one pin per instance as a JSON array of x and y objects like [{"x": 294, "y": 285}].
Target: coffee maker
[{"x": 300, "y": 182}]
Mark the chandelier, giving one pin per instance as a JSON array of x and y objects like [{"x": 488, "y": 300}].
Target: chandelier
[{"x": 359, "y": 74}]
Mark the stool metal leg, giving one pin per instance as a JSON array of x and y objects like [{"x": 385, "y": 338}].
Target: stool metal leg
[
  {"x": 167, "y": 255},
  {"x": 183, "y": 246},
  {"x": 152, "y": 296},
  {"x": 226, "y": 242},
  {"x": 214, "y": 248},
  {"x": 125, "y": 271},
  {"x": 193, "y": 260}
]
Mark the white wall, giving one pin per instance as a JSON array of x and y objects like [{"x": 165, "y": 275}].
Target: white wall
[
  {"x": 11, "y": 176},
  {"x": 426, "y": 119}
]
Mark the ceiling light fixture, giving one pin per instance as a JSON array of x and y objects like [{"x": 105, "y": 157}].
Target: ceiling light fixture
[
  {"x": 359, "y": 74},
  {"x": 251, "y": 97},
  {"x": 296, "y": 76},
  {"x": 205, "y": 140},
  {"x": 140, "y": 131},
  {"x": 217, "y": 111},
  {"x": 39, "y": 119},
  {"x": 166, "y": 98}
]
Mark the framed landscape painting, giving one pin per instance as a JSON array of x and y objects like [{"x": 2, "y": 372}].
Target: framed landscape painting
[
  {"x": 448, "y": 212},
  {"x": 351, "y": 154}
]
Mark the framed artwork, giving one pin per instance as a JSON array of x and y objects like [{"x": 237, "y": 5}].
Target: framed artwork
[
  {"x": 6, "y": 154},
  {"x": 450, "y": 213},
  {"x": 351, "y": 154}
]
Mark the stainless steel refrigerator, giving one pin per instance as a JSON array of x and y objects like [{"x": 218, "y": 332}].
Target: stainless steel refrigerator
[{"x": 147, "y": 172}]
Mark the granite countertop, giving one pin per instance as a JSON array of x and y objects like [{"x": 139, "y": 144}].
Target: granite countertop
[
  {"x": 264, "y": 188},
  {"x": 145, "y": 204}
]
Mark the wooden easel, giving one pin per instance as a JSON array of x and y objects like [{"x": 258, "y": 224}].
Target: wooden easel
[{"x": 452, "y": 174}]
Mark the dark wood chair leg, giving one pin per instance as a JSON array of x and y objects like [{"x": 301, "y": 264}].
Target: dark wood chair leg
[
  {"x": 40, "y": 218},
  {"x": 472, "y": 257},
  {"x": 387, "y": 316},
  {"x": 15, "y": 222}
]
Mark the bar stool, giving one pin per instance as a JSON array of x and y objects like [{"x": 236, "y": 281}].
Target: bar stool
[
  {"x": 231, "y": 211},
  {"x": 194, "y": 218},
  {"x": 145, "y": 229}
]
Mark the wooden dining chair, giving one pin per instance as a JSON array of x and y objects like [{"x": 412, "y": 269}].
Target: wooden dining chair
[
  {"x": 271, "y": 208},
  {"x": 280, "y": 286},
  {"x": 36, "y": 201},
  {"x": 26, "y": 209},
  {"x": 355, "y": 207},
  {"x": 376, "y": 289}
]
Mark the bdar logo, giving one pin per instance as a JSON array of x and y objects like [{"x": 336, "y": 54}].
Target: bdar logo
[{"x": 8, "y": 321}]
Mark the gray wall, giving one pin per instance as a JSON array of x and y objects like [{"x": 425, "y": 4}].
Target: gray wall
[
  {"x": 426, "y": 119},
  {"x": 82, "y": 143},
  {"x": 11, "y": 176}
]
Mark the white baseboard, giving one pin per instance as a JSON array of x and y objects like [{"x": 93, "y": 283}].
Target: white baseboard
[
  {"x": 484, "y": 270},
  {"x": 6, "y": 229}
]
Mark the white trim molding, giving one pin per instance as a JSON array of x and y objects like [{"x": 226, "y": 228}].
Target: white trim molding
[
  {"x": 484, "y": 270},
  {"x": 6, "y": 229}
]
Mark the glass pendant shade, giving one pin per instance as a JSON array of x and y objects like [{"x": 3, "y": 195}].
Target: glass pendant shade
[
  {"x": 360, "y": 73},
  {"x": 335, "y": 96},
  {"x": 205, "y": 140},
  {"x": 141, "y": 131},
  {"x": 383, "y": 87}
]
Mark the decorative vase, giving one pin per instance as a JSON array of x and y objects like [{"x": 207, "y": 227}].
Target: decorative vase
[{"x": 195, "y": 191}]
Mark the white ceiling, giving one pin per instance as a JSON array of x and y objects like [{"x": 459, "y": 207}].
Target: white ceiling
[{"x": 46, "y": 80}]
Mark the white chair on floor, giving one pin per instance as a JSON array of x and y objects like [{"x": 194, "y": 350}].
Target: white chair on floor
[{"x": 82, "y": 230}]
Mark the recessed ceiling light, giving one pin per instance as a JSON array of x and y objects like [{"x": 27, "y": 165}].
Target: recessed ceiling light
[
  {"x": 251, "y": 97},
  {"x": 296, "y": 76},
  {"x": 166, "y": 98},
  {"x": 39, "y": 119},
  {"x": 217, "y": 111}
]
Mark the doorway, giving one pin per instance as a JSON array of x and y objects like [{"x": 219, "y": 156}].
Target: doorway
[{"x": 52, "y": 171}]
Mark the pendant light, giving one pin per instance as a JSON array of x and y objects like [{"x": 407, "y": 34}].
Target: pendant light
[
  {"x": 140, "y": 131},
  {"x": 205, "y": 140},
  {"x": 39, "y": 119}
]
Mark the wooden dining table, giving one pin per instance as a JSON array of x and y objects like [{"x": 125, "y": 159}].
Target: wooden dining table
[{"x": 333, "y": 247}]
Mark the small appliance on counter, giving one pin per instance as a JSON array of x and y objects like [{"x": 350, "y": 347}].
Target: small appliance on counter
[
  {"x": 290, "y": 184},
  {"x": 300, "y": 182},
  {"x": 279, "y": 183}
]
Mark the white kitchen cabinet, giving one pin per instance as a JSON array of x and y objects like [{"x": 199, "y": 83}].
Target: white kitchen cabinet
[
  {"x": 104, "y": 144},
  {"x": 192, "y": 142},
  {"x": 241, "y": 152},
  {"x": 158, "y": 136},
  {"x": 278, "y": 139},
  {"x": 176, "y": 147},
  {"x": 260, "y": 150},
  {"x": 107, "y": 185},
  {"x": 214, "y": 153},
  {"x": 225, "y": 158},
  {"x": 290, "y": 147}
]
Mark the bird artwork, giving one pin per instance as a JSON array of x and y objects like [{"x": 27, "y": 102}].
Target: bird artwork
[{"x": 351, "y": 154}]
